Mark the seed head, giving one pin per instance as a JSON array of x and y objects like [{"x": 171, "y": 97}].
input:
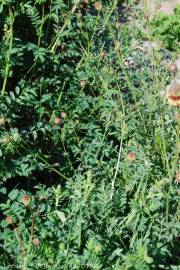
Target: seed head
[
  {"x": 146, "y": 15},
  {"x": 26, "y": 200},
  {"x": 9, "y": 219},
  {"x": 6, "y": 139},
  {"x": 117, "y": 46},
  {"x": 2, "y": 121},
  {"x": 102, "y": 54},
  {"x": 98, "y": 6},
  {"x": 173, "y": 94},
  {"x": 131, "y": 157},
  {"x": 177, "y": 178},
  {"x": 83, "y": 83}
]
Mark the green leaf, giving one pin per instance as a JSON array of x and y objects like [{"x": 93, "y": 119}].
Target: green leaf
[{"x": 13, "y": 194}]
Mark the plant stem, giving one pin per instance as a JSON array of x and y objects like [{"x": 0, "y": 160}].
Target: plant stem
[{"x": 8, "y": 57}]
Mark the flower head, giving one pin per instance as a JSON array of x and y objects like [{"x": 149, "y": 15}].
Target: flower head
[
  {"x": 9, "y": 219},
  {"x": 98, "y": 6},
  {"x": 36, "y": 242},
  {"x": 173, "y": 68},
  {"x": 57, "y": 120},
  {"x": 2, "y": 121},
  {"x": 177, "y": 178},
  {"x": 131, "y": 157},
  {"x": 83, "y": 83},
  {"x": 26, "y": 200},
  {"x": 173, "y": 94},
  {"x": 102, "y": 54}
]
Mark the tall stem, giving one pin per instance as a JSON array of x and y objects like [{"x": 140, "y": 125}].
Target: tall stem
[{"x": 8, "y": 57}]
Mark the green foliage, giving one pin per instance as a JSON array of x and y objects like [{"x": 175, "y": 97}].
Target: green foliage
[
  {"x": 167, "y": 29},
  {"x": 70, "y": 112}
]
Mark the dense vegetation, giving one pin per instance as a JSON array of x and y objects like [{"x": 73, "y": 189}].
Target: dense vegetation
[{"x": 89, "y": 146}]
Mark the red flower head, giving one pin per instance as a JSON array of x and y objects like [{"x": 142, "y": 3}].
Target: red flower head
[
  {"x": 9, "y": 219},
  {"x": 26, "y": 200},
  {"x": 36, "y": 242},
  {"x": 57, "y": 121}
]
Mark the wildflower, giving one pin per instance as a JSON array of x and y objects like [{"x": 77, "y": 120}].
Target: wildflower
[
  {"x": 173, "y": 94},
  {"x": 117, "y": 25},
  {"x": 2, "y": 121},
  {"x": 83, "y": 83},
  {"x": 98, "y": 6},
  {"x": 57, "y": 121},
  {"x": 117, "y": 46},
  {"x": 26, "y": 200},
  {"x": 173, "y": 68},
  {"x": 131, "y": 157},
  {"x": 177, "y": 178},
  {"x": 36, "y": 242},
  {"x": 9, "y": 219}
]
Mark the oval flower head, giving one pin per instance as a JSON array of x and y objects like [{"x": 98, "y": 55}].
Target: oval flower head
[
  {"x": 131, "y": 157},
  {"x": 173, "y": 94},
  {"x": 177, "y": 178},
  {"x": 26, "y": 200}
]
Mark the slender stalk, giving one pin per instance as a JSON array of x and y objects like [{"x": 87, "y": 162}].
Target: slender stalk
[
  {"x": 41, "y": 27},
  {"x": 8, "y": 57},
  {"x": 120, "y": 149},
  {"x": 30, "y": 239}
]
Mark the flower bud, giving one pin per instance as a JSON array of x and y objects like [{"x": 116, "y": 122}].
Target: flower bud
[
  {"x": 2, "y": 121},
  {"x": 131, "y": 157},
  {"x": 26, "y": 200},
  {"x": 9, "y": 219}
]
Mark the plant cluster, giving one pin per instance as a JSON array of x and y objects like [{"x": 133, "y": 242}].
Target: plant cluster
[
  {"x": 167, "y": 29},
  {"x": 89, "y": 147}
]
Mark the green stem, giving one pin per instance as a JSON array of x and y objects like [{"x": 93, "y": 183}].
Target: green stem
[
  {"x": 41, "y": 27},
  {"x": 30, "y": 239},
  {"x": 8, "y": 58}
]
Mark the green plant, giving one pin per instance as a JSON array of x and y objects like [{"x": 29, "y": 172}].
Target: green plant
[
  {"x": 167, "y": 29},
  {"x": 87, "y": 141}
]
